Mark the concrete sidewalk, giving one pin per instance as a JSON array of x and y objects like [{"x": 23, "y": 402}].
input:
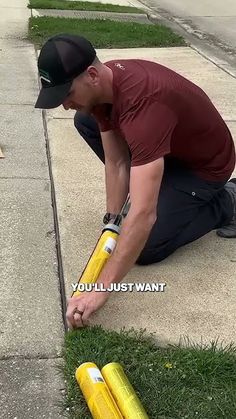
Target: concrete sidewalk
[
  {"x": 31, "y": 329},
  {"x": 132, "y": 3},
  {"x": 201, "y": 289},
  {"x": 200, "y": 293},
  {"x": 85, "y": 14}
]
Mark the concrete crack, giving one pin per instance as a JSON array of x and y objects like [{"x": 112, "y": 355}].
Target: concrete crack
[
  {"x": 29, "y": 357},
  {"x": 23, "y": 177}
]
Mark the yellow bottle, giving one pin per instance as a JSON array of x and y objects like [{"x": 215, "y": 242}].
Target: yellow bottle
[
  {"x": 96, "y": 392},
  {"x": 102, "y": 252},
  {"x": 123, "y": 392}
]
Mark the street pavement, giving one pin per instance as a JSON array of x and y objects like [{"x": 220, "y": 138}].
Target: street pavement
[
  {"x": 199, "y": 298},
  {"x": 209, "y": 26},
  {"x": 215, "y": 18}
]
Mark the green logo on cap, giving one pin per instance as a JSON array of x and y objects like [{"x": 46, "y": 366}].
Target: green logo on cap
[{"x": 44, "y": 75}]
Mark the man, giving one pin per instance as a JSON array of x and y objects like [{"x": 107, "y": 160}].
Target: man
[{"x": 161, "y": 139}]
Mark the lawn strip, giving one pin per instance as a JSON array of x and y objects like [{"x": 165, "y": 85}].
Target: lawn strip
[
  {"x": 104, "y": 33},
  {"x": 172, "y": 382}
]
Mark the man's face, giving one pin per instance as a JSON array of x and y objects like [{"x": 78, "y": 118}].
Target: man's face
[{"x": 84, "y": 92}]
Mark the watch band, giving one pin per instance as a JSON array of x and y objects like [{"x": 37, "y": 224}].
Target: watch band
[{"x": 109, "y": 216}]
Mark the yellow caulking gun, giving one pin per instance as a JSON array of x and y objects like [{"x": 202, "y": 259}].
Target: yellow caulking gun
[{"x": 103, "y": 249}]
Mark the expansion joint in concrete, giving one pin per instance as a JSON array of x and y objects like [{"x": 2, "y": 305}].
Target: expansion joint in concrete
[
  {"x": 56, "y": 225},
  {"x": 23, "y": 178},
  {"x": 29, "y": 357},
  {"x": 16, "y": 104}
]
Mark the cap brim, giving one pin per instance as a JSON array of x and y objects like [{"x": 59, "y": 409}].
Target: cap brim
[{"x": 52, "y": 97}]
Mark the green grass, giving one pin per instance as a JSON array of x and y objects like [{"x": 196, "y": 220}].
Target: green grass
[
  {"x": 81, "y": 5},
  {"x": 104, "y": 33},
  {"x": 172, "y": 383}
]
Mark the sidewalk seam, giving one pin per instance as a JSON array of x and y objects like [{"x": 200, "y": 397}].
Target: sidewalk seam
[
  {"x": 56, "y": 224},
  {"x": 29, "y": 357},
  {"x": 22, "y": 177},
  {"x": 55, "y": 217},
  {"x": 17, "y": 104}
]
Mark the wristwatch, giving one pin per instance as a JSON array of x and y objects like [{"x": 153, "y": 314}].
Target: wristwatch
[{"x": 108, "y": 217}]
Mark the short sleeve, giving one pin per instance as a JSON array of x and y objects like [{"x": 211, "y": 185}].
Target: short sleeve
[
  {"x": 148, "y": 128},
  {"x": 102, "y": 115}
]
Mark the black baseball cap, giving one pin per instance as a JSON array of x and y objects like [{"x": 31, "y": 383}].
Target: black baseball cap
[{"x": 62, "y": 58}]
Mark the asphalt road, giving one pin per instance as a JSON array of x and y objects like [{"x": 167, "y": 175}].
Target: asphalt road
[
  {"x": 210, "y": 22},
  {"x": 215, "y": 18}
]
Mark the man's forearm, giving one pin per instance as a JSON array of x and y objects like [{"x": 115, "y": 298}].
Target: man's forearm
[
  {"x": 117, "y": 185},
  {"x": 134, "y": 234}
]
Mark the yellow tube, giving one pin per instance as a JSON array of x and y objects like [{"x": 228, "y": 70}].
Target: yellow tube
[
  {"x": 96, "y": 392},
  {"x": 102, "y": 252},
  {"x": 123, "y": 392}
]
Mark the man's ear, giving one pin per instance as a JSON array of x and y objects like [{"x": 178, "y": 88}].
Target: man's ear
[{"x": 93, "y": 74}]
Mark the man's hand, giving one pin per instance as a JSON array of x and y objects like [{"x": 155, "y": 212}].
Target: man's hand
[{"x": 80, "y": 308}]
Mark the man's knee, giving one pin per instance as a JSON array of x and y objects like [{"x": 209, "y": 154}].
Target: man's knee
[
  {"x": 142, "y": 259},
  {"x": 79, "y": 121},
  {"x": 149, "y": 256},
  {"x": 86, "y": 124}
]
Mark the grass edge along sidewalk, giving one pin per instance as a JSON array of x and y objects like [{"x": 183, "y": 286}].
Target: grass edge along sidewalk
[
  {"x": 81, "y": 5},
  {"x": 180, "y": 381},
  {"x": 104, "y": 33}
]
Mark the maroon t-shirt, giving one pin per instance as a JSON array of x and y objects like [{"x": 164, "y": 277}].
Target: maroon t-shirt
[{"x": 161, "y": 113}]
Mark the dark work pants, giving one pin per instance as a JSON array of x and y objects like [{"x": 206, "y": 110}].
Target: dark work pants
[{"x": 188, "y": 207}]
